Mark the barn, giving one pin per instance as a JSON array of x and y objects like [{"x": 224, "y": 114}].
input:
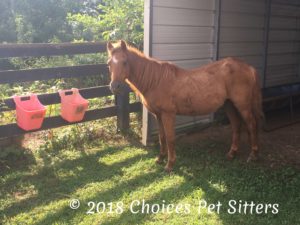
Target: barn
[{"x": 191, "y": 33}]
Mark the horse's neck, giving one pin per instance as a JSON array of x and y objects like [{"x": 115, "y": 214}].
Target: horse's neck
[{"x": 145, "y": 73}]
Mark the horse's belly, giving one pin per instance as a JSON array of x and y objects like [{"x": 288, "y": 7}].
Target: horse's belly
[
  {"x": 199, "y": 105},
  {"x": 197, "y": 110}
]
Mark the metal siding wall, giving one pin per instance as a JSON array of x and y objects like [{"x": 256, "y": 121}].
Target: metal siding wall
[
  {"x": 183, "y": 33},
  {"x": 242, "y": 30},
  {"x": 284, "y": 43}
]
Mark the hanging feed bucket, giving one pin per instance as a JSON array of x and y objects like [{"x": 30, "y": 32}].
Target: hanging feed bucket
[
  {"x": 73, "y": 105},
  {"x": 30, "y": 112}
]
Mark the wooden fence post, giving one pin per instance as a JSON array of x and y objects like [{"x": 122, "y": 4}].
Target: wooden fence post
[{"x": 122, "y": 102}]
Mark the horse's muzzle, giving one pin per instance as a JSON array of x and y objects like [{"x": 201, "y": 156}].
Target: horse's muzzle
[{"x": 116, "y": 87}]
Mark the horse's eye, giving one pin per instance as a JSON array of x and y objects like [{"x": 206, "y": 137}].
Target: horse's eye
[{"x": 124, "y": 63}]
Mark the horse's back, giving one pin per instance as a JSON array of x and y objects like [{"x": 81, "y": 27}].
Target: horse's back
[{"x": 205, "y": 89}]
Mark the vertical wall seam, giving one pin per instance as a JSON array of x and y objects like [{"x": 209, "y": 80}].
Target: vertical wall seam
[
  {"x": 266, "y": 40},
  {"x": 217, "y": 20}
]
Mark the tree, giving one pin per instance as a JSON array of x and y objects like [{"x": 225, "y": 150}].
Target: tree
[
  {"x": 110, "y": 20},
  {"x": 7, "y": 23},
  {"x": 36, "y": 20},
  {"x": 31, "y": 21}
]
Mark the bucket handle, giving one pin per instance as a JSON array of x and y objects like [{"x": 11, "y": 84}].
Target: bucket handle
[
  {"x": 19, "y": 99},
  {"x": 72, "y": 91}
]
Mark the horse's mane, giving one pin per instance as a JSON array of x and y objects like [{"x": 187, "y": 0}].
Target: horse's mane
[
  {"x": 131, "y": 48},
  {"x": 146, "y": 72},
  {"x": 149, "y": 72}
]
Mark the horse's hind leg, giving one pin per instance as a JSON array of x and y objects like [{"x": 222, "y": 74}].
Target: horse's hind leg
[
  {"x": 251, "y": 124},
  {"x": 235, "y": 122}
]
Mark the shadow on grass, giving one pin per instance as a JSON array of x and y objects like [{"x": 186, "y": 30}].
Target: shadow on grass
[
  {"x": 15, "y": 158},
  {"x": 50, "y": 187},
  {"x": 111, "y": 195},
  {"x": 203, "y": 166}
]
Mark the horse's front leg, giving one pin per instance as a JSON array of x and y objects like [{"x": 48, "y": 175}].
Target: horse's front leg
[
  {"x": 168, "y": 125},
  {"x": 162, "y": 141}
]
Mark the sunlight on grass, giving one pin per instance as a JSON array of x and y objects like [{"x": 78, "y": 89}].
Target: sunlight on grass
[
  {"x": 84, "y": 194},
  {"x": 222, "y": 188},
  {"x": 123, "y": 176},
  {"x": 152, "y": 192},
  {"x": 121, "y": 156},
  {"x": 70, "y": 155},
  {"x": 195, "y": 214},
  {"x": 91, "y": 190}
]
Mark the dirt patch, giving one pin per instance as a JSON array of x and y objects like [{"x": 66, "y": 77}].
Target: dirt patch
[
  {"x": 35, "y": 139},
  {"x": 277, "y": 148}
]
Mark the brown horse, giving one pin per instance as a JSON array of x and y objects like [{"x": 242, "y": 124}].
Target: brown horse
[{"x": 167, "y": 90}]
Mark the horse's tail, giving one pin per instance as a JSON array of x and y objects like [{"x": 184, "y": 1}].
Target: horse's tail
[{"x": 257, "y": 100}]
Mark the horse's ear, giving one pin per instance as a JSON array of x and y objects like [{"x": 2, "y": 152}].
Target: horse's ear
[
  {"x": 123, "y": 45},
  {"x": 109, "y": 46}
]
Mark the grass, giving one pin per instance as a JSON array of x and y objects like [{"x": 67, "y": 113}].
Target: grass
[{"x": 38, "y": 183}]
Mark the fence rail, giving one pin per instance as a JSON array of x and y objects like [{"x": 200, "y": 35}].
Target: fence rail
[
  {"x": 14, "y": 76},
  {"x": 36, "y": 50},
  {"x": 121, "y": 109}
]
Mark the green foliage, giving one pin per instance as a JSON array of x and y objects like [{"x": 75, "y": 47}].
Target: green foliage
[
  {"x": 68, "y": 20},
  {"x": 7, "y": 22},
  {"x": 71, "y": 138},
  {"x": 36, "y": 20},
  {"x": 123, "y": 20},
  {"x": 113, "y": 20}
]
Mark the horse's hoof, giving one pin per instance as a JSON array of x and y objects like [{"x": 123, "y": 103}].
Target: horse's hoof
[
  {"x": 230, "y": 155},
  {"x": 159, "y": 160},
  {"x": 252, "y": 157},
  {"x": 168, "y": 169}
]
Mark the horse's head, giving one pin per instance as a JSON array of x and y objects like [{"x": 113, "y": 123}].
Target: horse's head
[{"x": 118, "y": 65}]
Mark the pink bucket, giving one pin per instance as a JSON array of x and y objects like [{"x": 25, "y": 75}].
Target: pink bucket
[
  {"x": 73, "y": 105},
  {"x": 30, "y": 112}
]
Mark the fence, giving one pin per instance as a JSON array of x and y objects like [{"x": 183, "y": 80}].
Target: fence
[{"x": 121, "y": 109}]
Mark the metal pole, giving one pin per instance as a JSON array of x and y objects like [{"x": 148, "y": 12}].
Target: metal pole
[
  {"x": 148, "y": 37},
  {"x": 217, "y": 29}
]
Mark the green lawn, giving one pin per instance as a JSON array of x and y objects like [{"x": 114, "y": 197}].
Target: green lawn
[{"x": 38, "y": 183}]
